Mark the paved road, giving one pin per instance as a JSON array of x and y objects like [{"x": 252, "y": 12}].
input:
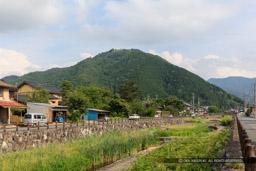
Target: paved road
[{"x": 249, "y": 124}]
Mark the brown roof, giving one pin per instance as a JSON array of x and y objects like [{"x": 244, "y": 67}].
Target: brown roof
[
  {"x": 11, "y": 104},
  {"x": 5, "y": 84}
]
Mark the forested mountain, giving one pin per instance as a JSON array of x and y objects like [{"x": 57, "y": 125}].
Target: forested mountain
[
  {"x": 154, "y": 76},
  {"x": 238, "y": 86}
]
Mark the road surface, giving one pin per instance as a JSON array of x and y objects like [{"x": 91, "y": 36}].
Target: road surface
[{"x": 249, "y": 124}]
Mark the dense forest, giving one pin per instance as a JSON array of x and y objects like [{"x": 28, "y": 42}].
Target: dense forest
[{"x": 153, "y": 75}]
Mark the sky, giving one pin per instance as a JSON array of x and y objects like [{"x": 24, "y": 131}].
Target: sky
[{"x": 211, "y": 38}]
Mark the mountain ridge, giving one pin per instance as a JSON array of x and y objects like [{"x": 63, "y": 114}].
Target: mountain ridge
[
  {"x": 238, "y": 86},
  {"x": 153, "y": 74}
]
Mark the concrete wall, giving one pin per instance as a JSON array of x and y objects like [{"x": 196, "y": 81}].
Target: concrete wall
[
  {"x": 45, "y": 110},
  {"x": 21, "y": 140},
  {"x": 26, "y": 89},
  {"x": 6, "y": 95}
]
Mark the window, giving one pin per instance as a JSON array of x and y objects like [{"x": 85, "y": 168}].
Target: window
[
  {"x": 28, "y": 116},
  {"x": 43, "y": 117},
  {"x": 1, "y": 92}
]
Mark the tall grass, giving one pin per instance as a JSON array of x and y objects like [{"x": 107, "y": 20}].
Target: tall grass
[
  {"x": 81, "y": 154},
  {"x": 205, "y": 145},
  {"x": 226, "y": 120},
  {"x": 194, "y": 129}
]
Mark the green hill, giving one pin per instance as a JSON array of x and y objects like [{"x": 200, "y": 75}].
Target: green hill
[{"x": 154, "y": 76}]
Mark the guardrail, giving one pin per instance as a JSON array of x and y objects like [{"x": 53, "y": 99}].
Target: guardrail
[{"x": 248, "y": 150}]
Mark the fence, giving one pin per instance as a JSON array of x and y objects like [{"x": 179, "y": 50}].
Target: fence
[
  {"x": 52, "y": 125},
  {"x": 247, "y": 148}
]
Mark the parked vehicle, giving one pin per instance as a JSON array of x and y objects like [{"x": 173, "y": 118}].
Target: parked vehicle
[
  {"x": 34, "y": 118},
  {"x": 103, "y": 119},
  {"x": 170, "y": 116},
  {"x": 134, "y": 117}
]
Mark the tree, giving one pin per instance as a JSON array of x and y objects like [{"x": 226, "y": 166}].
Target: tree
[
  {"x": 99, "y": 97},
  {"x": 175, "y": 103},
  {"x": 77, "y": 104},
  {"x": 41, "y": 95},
  {"x": 138, "y": 107},
  {"x": 173, "y": 110},
  {"x": 129, "y": 91},
  {"x": 119, "y": 107},
  {"x": 248, "y": 111},
  {"x": 151, "y": 111},
  {"x": 213, "y": 109},
  {"x": 65, "y": 89}
]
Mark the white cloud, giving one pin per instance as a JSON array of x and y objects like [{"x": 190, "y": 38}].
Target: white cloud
[
  {"x": 148, "y": 21},
  {"x": 14, "y": 63},
  {"x": 225, "y": 71},
  {"x": 86, "y": 55},
  {"x": 211, "y": 57},
  {"x": 26, "y": 14},
  {"x": 217, "y": 68},
  {"x": 175, "y": 58}
]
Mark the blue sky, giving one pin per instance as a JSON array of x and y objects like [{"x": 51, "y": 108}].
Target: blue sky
[{"x": 211, "y": 38}]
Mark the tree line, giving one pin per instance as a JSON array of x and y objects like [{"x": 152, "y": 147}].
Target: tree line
[{"x": 120, "y": 104}]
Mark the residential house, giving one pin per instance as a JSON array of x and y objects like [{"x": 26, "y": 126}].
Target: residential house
[
  {"x": 6, "y": 103},
  {"x": 28, "y": 87}
]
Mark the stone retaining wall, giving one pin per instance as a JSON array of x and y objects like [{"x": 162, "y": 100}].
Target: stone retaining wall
[{"x": 22, "y": 140}]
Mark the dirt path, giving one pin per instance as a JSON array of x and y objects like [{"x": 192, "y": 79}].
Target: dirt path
[{"x": 126, "y": 162}]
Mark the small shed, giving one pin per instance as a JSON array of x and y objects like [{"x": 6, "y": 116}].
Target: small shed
[
  {"x": 51, "y": 112},
  {"x": 158, "y": 113},
  {"x": 95, "y": 114}
]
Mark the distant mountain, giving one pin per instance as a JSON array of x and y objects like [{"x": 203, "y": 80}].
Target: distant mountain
[
  {"x": 154, "y": 76},
  {"x": 238, "y": 86}
]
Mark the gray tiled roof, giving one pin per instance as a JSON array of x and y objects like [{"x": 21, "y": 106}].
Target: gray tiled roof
[{"x": 51, "y": 89}]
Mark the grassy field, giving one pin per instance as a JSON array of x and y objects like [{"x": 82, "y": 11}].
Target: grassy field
[
  {"x": 82, "y": 154},
  {"x": 197, "y": 142}
]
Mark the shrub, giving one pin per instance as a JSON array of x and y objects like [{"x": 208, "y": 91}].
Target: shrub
[{"x": 226, "y": 120}]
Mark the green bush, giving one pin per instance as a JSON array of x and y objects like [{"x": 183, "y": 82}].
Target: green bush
[{"x": 226, "y": 120}]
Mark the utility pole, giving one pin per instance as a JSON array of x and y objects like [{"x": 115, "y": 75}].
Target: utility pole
[
  {"x": 193, "y": 100},
  {"x": 245, "y": 104},
  {"x": 254, "y": 97},
  {"x": 249, "y": 102}
]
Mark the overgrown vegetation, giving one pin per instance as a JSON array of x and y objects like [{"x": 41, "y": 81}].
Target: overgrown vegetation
[
  {"x": 195, "y": 129},
  {"x": 203, "y": 145},
  {"x": 82, "y": 154},
  {"x": 226, "y": 120},
  {"x": 193, "y": 120}
]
